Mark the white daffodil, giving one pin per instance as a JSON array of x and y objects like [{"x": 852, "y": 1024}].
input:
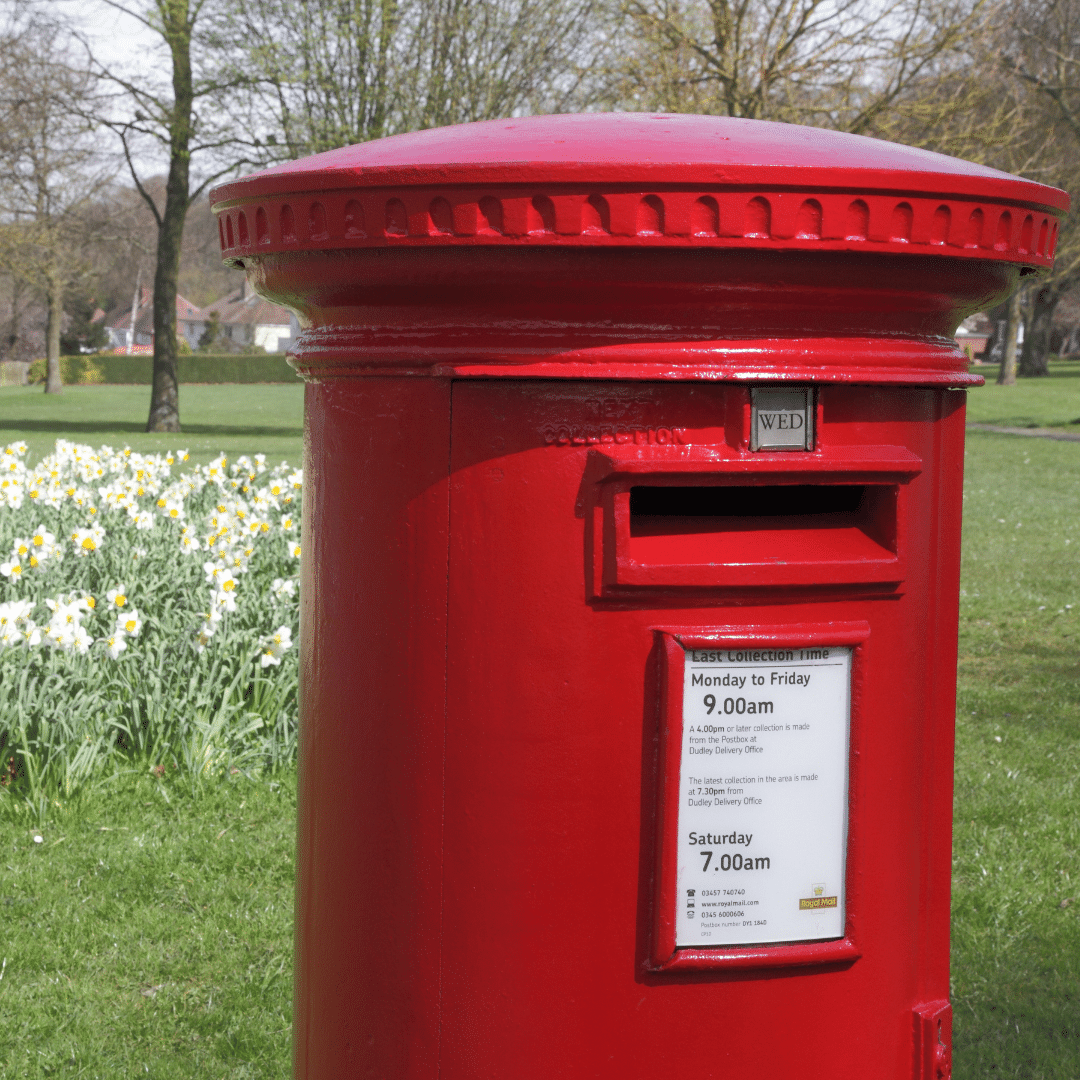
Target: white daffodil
[
  {"x": 43, "y": 546},
  {"x": 67, "y": 613},
  {"x": 116, "y": 644},
  {"x": 117, "y": 596},
  {"x": 14, "y": 613},
  {"x": 12, "y": 569},
  {"x": 282, "y": 588},
  {"x": 60, "y": 637},
  {"x": 129, "y": 622},
  {"x": 81, "y": 640},
  {"x": 213, "y": 571},
  {"x": 87, "y": 541},
  {"x": 275, "y": 646},
  {"x": 223, "y": 601}
]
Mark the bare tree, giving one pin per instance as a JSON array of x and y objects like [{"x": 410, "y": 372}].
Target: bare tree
[
  {"x": 50, "y": 168},
  {"x": 327, "y": 73},
  {"x": 175, "y": 118},
  {"x": 1042, "y": 52},
  {"x": 1002, "y": 98},
  {"x": 833, "y": 63}
]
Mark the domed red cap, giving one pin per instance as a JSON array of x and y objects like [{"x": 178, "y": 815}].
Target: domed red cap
[{"x": 639, "y": 179}]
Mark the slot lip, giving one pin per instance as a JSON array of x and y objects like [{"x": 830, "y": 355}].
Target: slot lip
[
  {"x": 663, "y": 957},
  {"x": 849, "y": 462}
]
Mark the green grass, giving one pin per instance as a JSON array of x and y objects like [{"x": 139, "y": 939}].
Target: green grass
[
  {"x": 1016, "y": 950},
  {"x": 1053, "y": 401},
  {"x": 235, "y": 419},
  {"x": 150, "y": 934}
]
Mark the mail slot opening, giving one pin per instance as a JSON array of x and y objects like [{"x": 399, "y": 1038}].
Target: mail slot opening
[
  {"x": 718, "y": 524},
  {"x": 751, "y": 502}
]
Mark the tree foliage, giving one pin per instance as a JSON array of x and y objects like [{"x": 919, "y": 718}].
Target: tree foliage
[
  {"x": 832, "y": 63},
  {"x": 174, "y": 118},
  {"x": 50, "y": 168},
  {"x": 319, "y": 74}
]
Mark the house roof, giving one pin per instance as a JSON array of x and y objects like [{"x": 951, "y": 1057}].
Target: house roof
[
  {"x": 245, "y": 306},
  {"x": 120, "y": 317}
]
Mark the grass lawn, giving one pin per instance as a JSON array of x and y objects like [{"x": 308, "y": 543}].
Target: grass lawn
[
  {"x": 1016, "y": 949},
  {"x": 1050, "y": 402},
  {"x": 237, "y": 419},
  {"x": 150, "y": 934}
]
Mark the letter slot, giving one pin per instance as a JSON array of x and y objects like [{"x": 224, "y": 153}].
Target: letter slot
[{"x": 745, "y": 529}]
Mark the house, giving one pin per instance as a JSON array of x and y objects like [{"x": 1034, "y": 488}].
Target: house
[
  {"x": 245, "y": 319},
  {"x": 973, "y": 334},
  {"x": 190, "y": 323}
]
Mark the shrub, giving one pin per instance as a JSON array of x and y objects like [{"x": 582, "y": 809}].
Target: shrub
[{"x": 74, "y": 370}]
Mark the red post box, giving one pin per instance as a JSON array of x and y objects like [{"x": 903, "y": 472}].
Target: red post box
[{"x": 629, "y": 605}]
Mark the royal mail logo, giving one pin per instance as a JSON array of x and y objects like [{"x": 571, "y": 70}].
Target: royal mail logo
[{"x": 809, "y": 903}]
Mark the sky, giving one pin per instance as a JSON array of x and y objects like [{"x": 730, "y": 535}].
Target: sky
[
  {"x": 118, "y": 42},
  {"x": 114, "y": 37}
]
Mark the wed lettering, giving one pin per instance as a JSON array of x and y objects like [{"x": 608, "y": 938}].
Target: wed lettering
[{"x": 781, "y": 421}]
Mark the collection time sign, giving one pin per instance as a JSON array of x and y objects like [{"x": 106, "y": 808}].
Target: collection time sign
[{"x": 763, "y": 777}]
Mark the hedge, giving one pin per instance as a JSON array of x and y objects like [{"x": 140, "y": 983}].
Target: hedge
[{"x": 198, "y": 368}]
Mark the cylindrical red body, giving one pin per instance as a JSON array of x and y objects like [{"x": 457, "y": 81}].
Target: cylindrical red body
[{"x": 549, "y": 496}]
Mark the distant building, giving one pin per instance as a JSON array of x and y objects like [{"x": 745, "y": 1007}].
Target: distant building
[
  {"x": 973, "y": 334},
  {"x": 246, "y": 319},
  {"x": 190, "y": 322}
]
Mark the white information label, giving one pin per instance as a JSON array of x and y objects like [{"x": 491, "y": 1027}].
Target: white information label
[{"x": 763, "y": 795}]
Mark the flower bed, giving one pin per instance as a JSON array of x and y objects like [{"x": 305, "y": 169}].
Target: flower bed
[{"x": 147, "y": 616}]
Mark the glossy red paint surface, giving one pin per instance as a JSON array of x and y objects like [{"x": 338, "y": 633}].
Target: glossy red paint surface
[{"x": 510, "y": 327}]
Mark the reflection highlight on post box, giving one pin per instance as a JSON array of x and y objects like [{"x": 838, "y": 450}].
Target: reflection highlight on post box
[{"x": 763, "y": 795}]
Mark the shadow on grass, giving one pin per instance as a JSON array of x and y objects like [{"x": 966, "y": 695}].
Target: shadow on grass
[
  {"x": 1023, "y": 1019},
  {"x": 124, "y": 427}
]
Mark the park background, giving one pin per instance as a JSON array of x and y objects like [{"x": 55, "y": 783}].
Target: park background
[{"x": 147, "y": 910}]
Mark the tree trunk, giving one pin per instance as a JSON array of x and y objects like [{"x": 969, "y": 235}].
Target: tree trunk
[
  {"x": 134, "y": 311},
  {"x": 55, "y": 303},
  {"x": 1033, "y": 358},
  {"x": 1007, "y": 371},
  {"x": 165, "y": 392},
  {"x": 991, "y": 353}
]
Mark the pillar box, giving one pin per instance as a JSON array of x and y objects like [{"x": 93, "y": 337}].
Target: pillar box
[{"x": 631, "y": 543}]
